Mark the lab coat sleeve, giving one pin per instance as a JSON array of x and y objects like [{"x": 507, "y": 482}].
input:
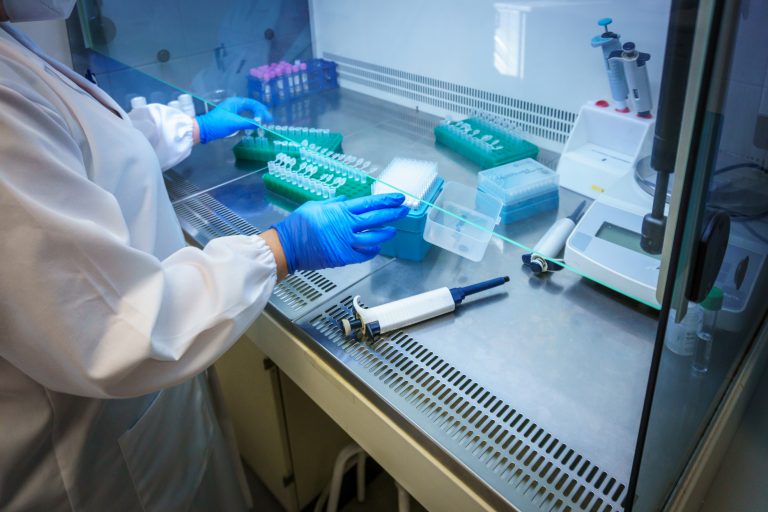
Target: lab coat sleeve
[
  {"x": 168, "y": 129},
  {"x": 81, "y": 311}
]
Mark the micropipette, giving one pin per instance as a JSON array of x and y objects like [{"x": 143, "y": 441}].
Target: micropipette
[
  {"x": 636, "y": 72},
  {"x": 553, "y": 241},
  {"x": 609, "y": 42},
  {"x": 370, "y": 322}
]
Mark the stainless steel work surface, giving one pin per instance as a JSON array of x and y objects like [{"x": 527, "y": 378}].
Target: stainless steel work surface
[
  {"x": 565, "y": 354},
  {"x": 535, "y": 388}
]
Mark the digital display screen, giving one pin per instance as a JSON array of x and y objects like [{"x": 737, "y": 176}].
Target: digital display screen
[{"x": 623, "y": 237}]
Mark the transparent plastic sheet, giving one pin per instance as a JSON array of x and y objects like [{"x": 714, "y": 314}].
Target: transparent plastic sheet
[
  {"x": 375, "y": 167},
  {"x": 380, "y": 165},
  {"x": 493, "y": 233}
]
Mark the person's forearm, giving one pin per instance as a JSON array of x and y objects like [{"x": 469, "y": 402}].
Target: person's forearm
[
  {"x": 273, "y": 241},
  {"x": 195, "y": 131}
]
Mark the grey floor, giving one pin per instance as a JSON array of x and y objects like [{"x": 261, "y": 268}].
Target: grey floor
[
  {"x": 381, "y": 496},
  {"x": 263, "y": 501},
  {"x": 741, "y": 484}
]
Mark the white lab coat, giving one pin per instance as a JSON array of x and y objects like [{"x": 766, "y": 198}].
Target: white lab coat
[{"x": 102, "y": 305}]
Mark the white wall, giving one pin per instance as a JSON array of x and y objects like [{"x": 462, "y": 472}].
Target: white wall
[
  {"x": 51, "y": 36},
  {"x": 212, "y": 45},
  {"x": 747, "y": 95},
  {"x": 534, "y": 50}
]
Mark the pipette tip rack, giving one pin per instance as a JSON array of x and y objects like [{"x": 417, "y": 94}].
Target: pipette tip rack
[{"x": 417, "y": 179}]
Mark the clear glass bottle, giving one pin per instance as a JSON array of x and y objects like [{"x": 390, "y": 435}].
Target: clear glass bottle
[{"x": 705, "y": 334}]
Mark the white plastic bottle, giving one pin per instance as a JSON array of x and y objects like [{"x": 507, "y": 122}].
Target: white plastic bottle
[
  {"x": 187, "y": 104},
  {"x": 681, "y": 338},
  {"x": 138, "y": 101}
]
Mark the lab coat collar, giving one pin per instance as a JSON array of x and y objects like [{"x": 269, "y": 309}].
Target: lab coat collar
[{"x": 99, "y": 95}]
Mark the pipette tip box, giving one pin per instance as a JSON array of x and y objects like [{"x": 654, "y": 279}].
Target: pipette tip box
[
  {"x": 525, "y": 188},
  {"x": 409, "y": 243}
]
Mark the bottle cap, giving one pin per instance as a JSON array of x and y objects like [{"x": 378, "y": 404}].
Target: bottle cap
[
  {"x": 138, "y": 101},
  {"x": 714, "y": 301}
]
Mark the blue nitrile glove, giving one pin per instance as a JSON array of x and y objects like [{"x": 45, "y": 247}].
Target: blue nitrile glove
[
  {"x": 225, "y": 119},
  {"x": 336, "y": 232}
]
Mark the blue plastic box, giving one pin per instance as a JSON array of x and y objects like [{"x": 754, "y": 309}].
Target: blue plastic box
[
  {"x": 525, "y": 188},
  {"x": 529, "y": 208},
  {"x": 409, "y": 243}
]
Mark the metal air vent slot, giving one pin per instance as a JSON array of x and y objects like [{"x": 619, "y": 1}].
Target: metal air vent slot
[
  {"x": 302, "y": 288},
  {"x": 514, "y": 452},
  {"x": 177, "y": 186},
  {"x": 211, "y": 219},
  {"x": 549, "y": 123}
]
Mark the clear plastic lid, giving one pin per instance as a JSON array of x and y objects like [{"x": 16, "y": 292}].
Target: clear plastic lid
[
  {"x": 518, "y": 181},
  {"x": 462, "y": 220}
]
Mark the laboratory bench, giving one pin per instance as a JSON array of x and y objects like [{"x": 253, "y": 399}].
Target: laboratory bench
[{"x": 528, "y": 397}]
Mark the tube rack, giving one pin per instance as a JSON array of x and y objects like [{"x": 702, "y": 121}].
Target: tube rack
[
  {"x": 280, "y": 82},
  {"x": 486, "y": 139},
  {"x": 316, "y": 175},
  {"x": 266, "y": 143}
]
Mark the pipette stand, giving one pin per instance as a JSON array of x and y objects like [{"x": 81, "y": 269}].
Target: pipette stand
[{"x": 604, "y": 146}]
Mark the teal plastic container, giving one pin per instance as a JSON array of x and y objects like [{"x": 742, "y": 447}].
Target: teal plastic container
[
  {"x": 299, "y": 195},
  {"x": 520, "y": 211},
  {"x": 409, "y": 243},
  {"x": 264, "y": 149},
  {"x": 513, "y": 148}
]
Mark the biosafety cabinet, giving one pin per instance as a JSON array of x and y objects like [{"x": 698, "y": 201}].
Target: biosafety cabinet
[{"x": 610, "y": 158}]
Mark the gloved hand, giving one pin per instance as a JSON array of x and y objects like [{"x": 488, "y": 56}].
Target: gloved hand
[
  {"x": 336, "y": 232},
  {"x": 225, "y": 119}
]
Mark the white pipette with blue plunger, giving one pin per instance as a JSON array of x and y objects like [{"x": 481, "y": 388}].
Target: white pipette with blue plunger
[
  {"x": 370, "y": 322},
  {"x": 551, "y": 244}
]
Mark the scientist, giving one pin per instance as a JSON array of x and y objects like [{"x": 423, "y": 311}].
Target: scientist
[{"x": 106, "y": 319}]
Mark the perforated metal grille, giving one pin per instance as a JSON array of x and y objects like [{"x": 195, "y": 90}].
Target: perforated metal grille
[
  {"x": 540, "y": 120},
  {"x": 517, "y": 452},
  {"x": 177, "y": 186},
  {"x": 211, "y": 219},
  {"x": 300, "y": 289}
]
